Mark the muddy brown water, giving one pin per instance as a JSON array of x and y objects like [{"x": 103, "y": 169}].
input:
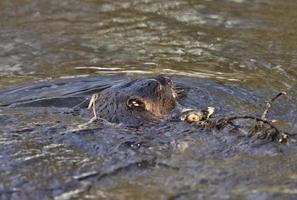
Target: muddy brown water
[{"x": 230, "y": 54}]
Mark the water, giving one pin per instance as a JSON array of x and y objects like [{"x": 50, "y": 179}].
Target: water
[{"x": 231, "y": 54}]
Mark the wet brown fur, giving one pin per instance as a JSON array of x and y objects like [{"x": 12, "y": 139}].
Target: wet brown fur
[{"x": 137, "y": 101}]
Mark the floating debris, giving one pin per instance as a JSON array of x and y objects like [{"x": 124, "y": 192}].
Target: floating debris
[
  {"x": 263, "y": 128},
  {"x": 197, "y": 116}
]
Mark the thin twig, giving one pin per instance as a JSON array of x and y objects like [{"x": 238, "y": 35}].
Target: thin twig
[
  {"x": 269, "y": 104},
  {"x": 92, "y": 104},
  {"x": 280, "y": 136}
]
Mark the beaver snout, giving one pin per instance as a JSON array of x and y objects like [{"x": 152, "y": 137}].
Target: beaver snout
[
  {"x": 153, "y": 85},
  {"x": 164, "y": 80}
]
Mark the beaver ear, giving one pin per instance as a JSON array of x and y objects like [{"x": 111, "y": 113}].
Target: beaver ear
[{"x": 135, "y": 103}]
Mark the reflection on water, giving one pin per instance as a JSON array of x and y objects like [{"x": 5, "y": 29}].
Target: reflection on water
[
  {"x": 243, "y": 39},
  {"x": 238, "y": 53}
]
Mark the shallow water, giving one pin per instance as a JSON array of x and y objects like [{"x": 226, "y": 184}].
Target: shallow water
[{"x": 230, "y": 54}]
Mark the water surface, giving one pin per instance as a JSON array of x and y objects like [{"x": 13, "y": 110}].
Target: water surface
[{"x": 230, "y": 54}]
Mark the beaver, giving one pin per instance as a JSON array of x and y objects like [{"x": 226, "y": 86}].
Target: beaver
[{"x": 136, "y": 101}]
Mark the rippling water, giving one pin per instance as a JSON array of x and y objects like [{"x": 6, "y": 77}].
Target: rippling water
[{"x": 239, "y": 53}]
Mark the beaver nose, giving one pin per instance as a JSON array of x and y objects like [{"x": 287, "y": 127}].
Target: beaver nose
[
  {"x": 164, "y": 80},
  {"x": 154, "y": 84}
]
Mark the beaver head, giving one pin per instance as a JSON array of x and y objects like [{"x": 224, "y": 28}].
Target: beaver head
[{"x": 137, "y": 101}]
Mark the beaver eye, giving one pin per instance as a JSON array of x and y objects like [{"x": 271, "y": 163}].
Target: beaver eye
[{"x": 135, "y": 103}]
